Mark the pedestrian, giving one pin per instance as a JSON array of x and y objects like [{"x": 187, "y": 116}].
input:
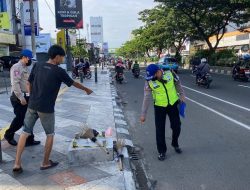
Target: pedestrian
[
  {"x": 44, "y": 83},
  {"x": 19, "y": 98},
  {"x": 167, "y": 92}
]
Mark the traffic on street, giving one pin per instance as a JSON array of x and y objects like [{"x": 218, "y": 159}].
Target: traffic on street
[{"x": 214, "y": 139}]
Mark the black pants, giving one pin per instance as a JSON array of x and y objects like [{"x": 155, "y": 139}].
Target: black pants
[
  {"x": 17, "y": 122},
  {"x": 175, "y": 124}
]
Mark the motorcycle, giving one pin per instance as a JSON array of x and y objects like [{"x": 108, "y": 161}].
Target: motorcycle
[
  {"x": 119, "y": 77},
  {"x": 81, "y": 71},
  {"x": 136, "y": 73},
  {"x": 204, "y": 80},
  {"x": 242, "y": 74}
]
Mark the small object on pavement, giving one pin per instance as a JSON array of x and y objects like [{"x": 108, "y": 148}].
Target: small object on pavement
[{"x": 88, "y": 133}]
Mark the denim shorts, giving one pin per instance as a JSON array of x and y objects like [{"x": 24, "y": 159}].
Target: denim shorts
[{"x": 47, "y": 121}]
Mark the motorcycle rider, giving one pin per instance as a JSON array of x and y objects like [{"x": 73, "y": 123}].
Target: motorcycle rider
[
  {"x": 119, "y": 68},
  {"x": 136, "y": 66},
  {"x": 202, "y": 69}
]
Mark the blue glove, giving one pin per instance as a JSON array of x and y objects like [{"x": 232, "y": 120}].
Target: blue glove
[{"x": 182, "y": 109}]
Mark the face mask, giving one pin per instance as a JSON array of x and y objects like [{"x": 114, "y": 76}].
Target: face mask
[{"x": 29, "y": 63}]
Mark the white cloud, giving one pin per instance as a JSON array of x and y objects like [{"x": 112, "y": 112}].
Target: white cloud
[{"x": 120, "y": 17}]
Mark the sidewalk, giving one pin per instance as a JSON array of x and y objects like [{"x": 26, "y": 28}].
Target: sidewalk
[{"x": 73, "y": 108}]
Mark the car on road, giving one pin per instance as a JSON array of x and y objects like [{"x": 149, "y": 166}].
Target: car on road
[
  {"x": 167, "y": 63},
  {"x": 8, "y": 61}
]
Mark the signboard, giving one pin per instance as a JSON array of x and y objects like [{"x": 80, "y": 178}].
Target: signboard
[
  {"x": 26, "y": 13},
  {"x": 4, "y": 20},
  {"x": 43, "y": 43},
  {"x": 61, "y": 40},
  {"x": 7, "y": 38},
  {"x": 3, "y": 6},
  {"x": 69, "y": 14},
  {"x": 105, "y": 48},
  {"x": 96, "y": 29}
]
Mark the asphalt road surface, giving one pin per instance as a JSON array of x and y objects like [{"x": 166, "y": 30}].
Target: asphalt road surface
[{"x": 215, "y": 135}]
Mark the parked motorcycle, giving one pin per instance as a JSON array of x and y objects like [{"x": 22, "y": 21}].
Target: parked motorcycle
[
  {"x": 85, "y": 72},
  {"x": 204, "y": 80}
]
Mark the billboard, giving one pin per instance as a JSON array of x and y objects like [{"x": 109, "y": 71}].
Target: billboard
[
  {"x": 26, "y": 14},
  {"x": 4, "y": 20},
  {"x": 61, "y": 40},
  {"x": 96, "y": 30},
  {"x": 105, "y": 48},
  {"x": 68, "y": 14},
  {"x": 43, "y": 43}
]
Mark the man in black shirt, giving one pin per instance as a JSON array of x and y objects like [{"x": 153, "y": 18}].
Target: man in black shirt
[{"x": 44, "y": 83}]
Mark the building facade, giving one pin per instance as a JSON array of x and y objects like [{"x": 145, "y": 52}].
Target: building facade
[{"x": 7, "y": 37}]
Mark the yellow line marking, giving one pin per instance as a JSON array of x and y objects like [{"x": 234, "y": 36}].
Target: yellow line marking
[{"x": 2, "y": 131}]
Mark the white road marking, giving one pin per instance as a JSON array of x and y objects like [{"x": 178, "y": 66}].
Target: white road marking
[
  {"x": 227, "y": 102},
  {"x": 244, "y": 86},
  {"x": 193, "y": 76},
  {"x": 221, "y": 114}
]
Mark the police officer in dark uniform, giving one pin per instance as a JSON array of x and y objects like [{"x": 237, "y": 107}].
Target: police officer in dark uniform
[{"x": 19, "y": 74}]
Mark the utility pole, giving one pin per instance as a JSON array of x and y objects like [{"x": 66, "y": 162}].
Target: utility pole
[
  {"x": 68, "y": 53},
  {"x": 32, "y": 24},
  {"x": 14, "y": 20},
  {"x": 88, "y": 33},
  {"x": 22, "y": 26}
]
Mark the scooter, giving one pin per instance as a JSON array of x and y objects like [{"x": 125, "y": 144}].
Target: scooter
[
  {"x": 204, "y": 80},
  {"x": 86, "y": 73},
  {"x": 242, "y": 74},
  {"x": 136, "y": 73},
  {"x": 119, "y": 77}
]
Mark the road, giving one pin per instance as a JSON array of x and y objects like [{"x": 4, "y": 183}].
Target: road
[{"x": 215, "y": 135}]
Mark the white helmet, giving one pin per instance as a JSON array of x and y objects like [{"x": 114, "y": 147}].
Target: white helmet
[{"x": 203, "y": 60}]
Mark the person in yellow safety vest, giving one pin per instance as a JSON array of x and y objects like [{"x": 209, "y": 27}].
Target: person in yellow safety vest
[{"x": 167, "y": 93}]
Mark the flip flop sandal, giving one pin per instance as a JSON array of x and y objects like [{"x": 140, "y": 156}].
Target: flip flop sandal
[
  {"x": 17, "y": 170},
  {"x": 52, "y": 164}
]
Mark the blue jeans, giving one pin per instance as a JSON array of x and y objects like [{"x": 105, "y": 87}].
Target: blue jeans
[{"x": 47, "y": 120}]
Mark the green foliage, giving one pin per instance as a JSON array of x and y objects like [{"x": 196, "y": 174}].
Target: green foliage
[
  {"x": 222, "y": 58},
  {"x": 80, "y": 49},
  {"x": 210, "y": 17}
]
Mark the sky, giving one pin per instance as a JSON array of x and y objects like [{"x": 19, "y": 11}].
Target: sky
[{"x": 120, "y": 17}]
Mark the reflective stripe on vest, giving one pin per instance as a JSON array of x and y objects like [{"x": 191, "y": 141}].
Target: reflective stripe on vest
[{"x": 164, "y": 93}]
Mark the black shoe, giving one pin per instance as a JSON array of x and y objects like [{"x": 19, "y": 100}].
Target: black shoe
[
  {"x": 10, "y": 141},
  {"x": 178, "y": 150},
  {"x": 32, "y": 143},
  {"x": 162, "y": 156}
]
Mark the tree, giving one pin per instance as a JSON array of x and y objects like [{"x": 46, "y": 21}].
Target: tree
[
  {"x": 210, "y": 17},
  {"x": 80, "y": 49}
]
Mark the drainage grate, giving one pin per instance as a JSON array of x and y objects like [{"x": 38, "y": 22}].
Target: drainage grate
[{"x": 134, "y": 156}]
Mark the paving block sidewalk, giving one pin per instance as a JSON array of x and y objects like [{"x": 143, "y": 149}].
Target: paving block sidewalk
[{"x": 73, "y": 108}]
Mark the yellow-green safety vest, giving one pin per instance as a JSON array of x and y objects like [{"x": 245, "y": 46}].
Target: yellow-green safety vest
[{"x": 164, "y": 93}]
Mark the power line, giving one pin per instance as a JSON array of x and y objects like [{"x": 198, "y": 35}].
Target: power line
[{"x": 49, "y": 7}]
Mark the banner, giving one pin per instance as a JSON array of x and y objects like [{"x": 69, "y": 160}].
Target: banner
[
  {"x": 69, "y": 14},
  {"x": 4, "y": 20},
  {"x": 61, "y": 40},
  {"x": 26, "y": 13},
  {"x": 43, "y": 43}
]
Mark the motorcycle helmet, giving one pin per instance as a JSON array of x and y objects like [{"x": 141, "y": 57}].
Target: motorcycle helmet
[{"x": 203, "y": 60}]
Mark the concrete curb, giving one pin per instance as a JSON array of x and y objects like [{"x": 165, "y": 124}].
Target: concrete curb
[{"x": 123, "y": 133}]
